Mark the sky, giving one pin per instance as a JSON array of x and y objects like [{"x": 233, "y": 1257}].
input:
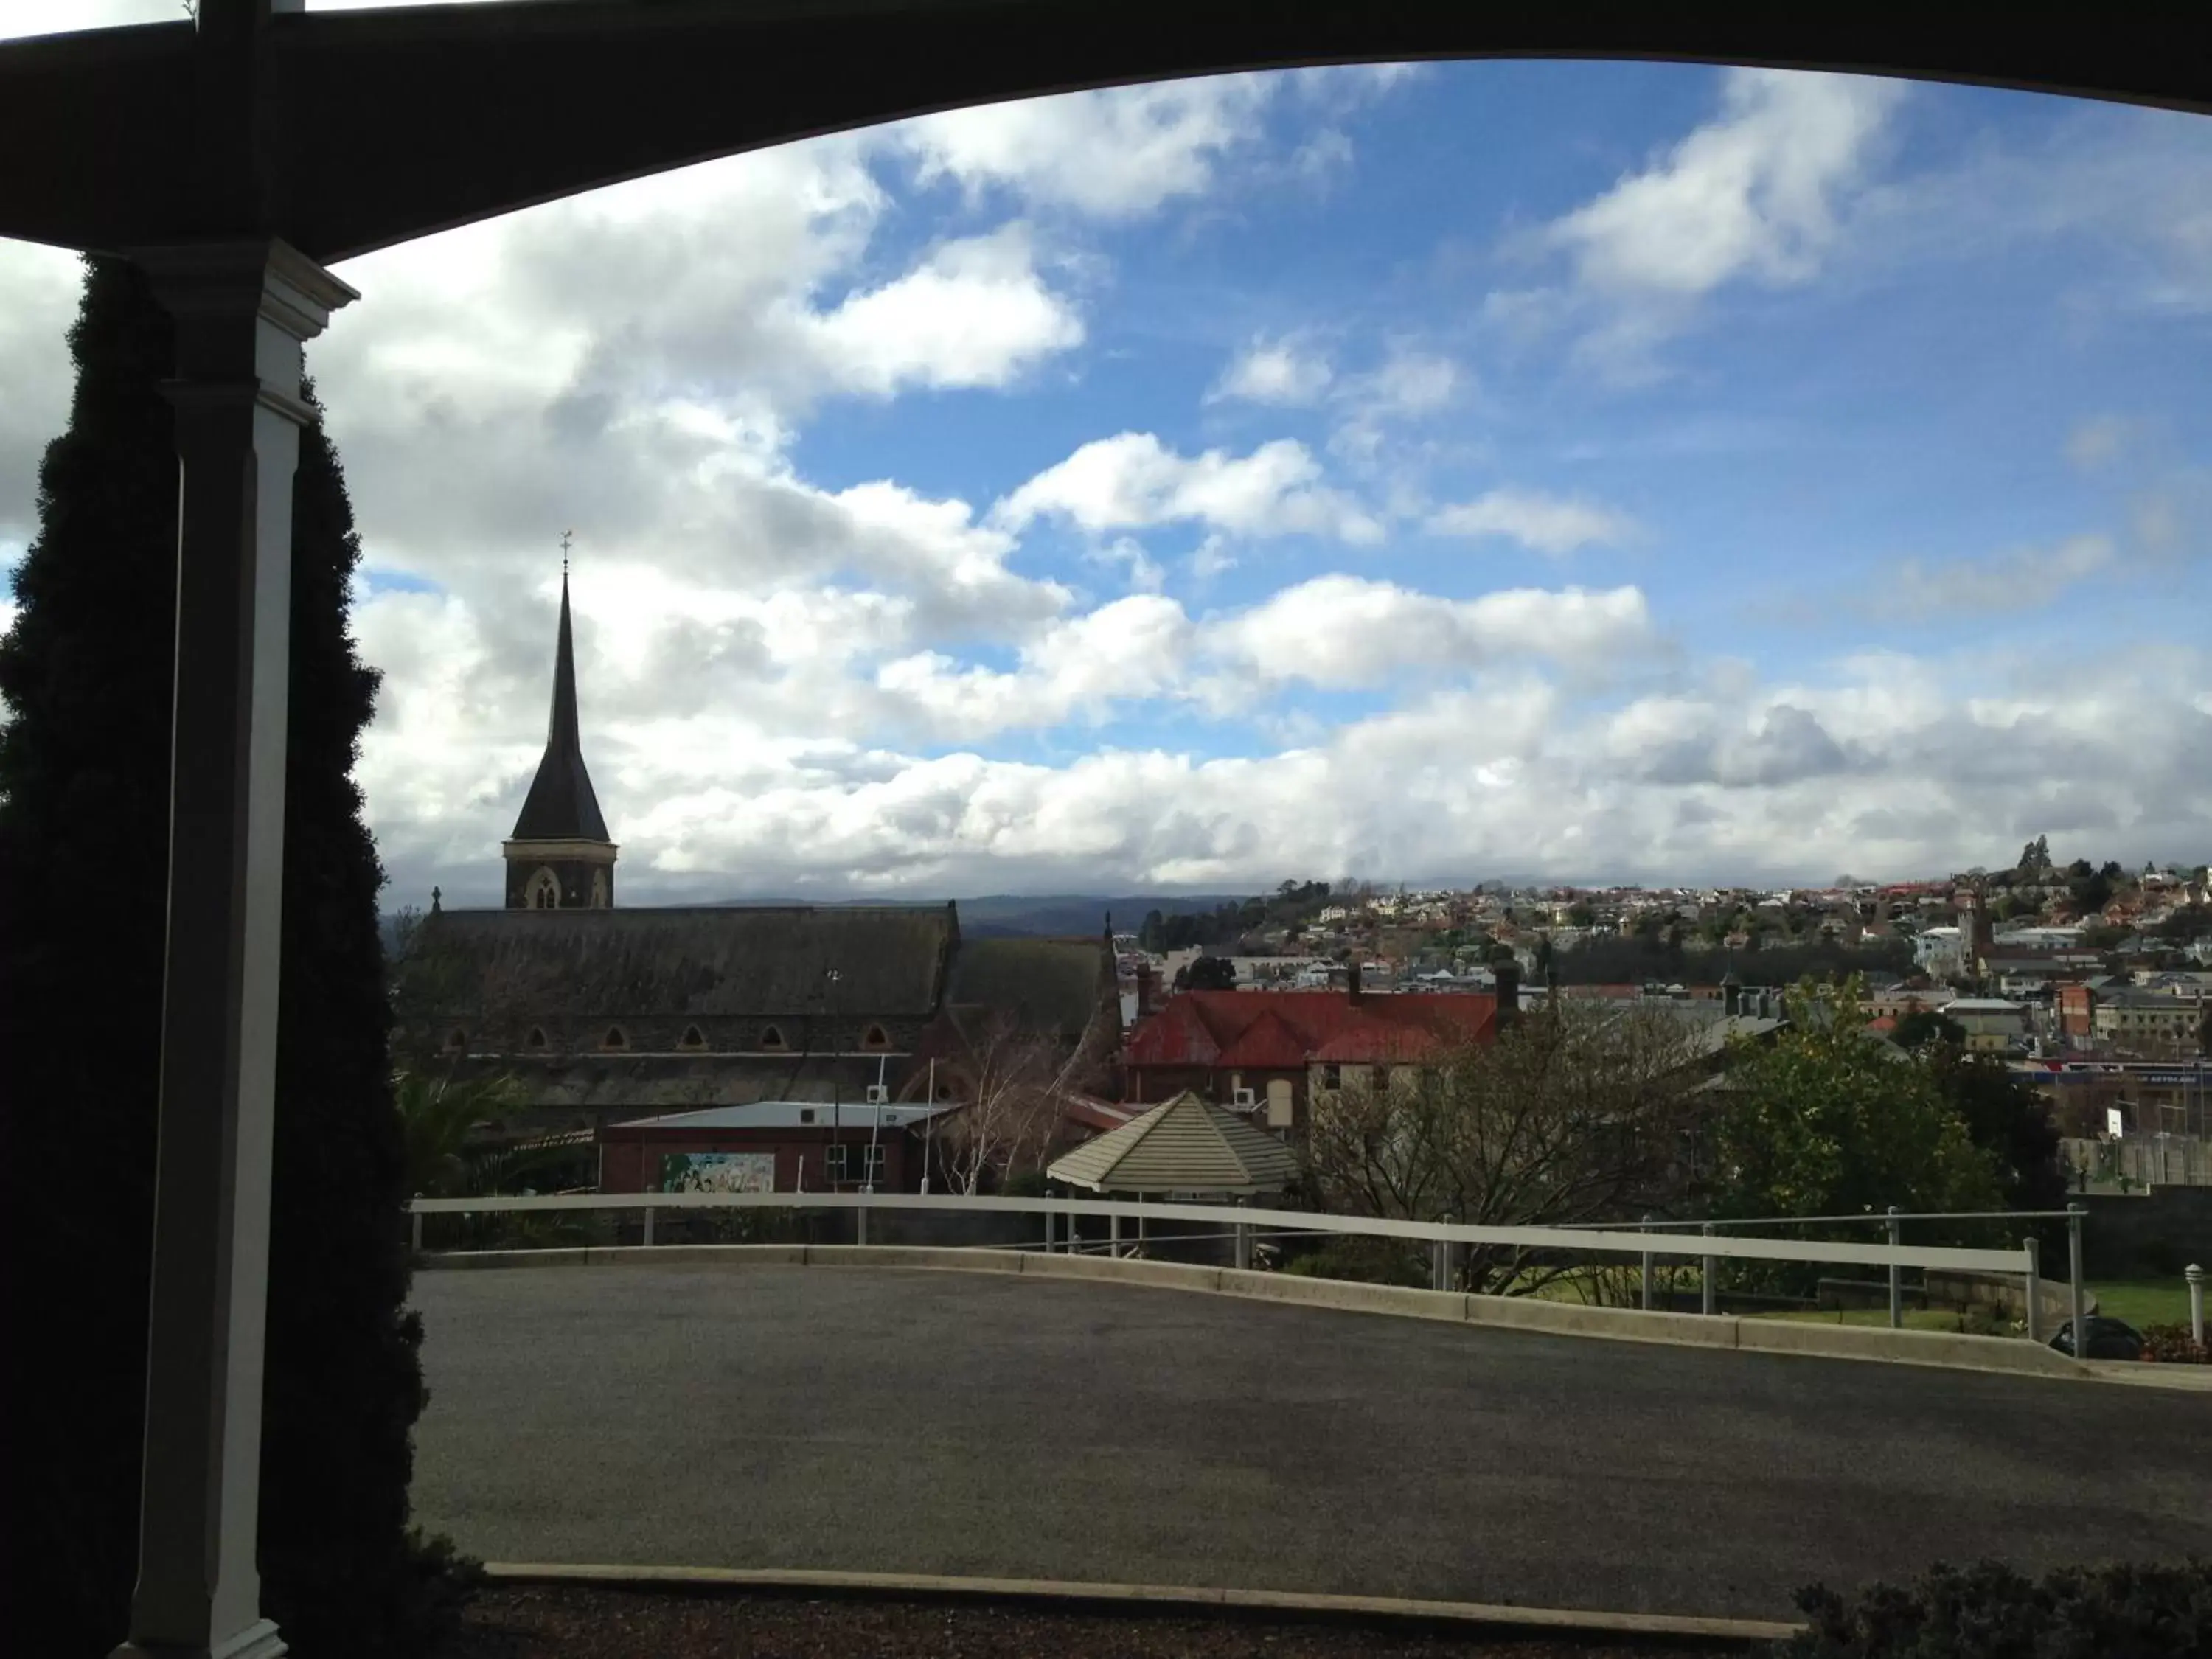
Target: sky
[{"x": 1585, "y": 472}]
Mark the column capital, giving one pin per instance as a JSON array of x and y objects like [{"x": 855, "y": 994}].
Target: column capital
[{"x": 261, "y": 277}]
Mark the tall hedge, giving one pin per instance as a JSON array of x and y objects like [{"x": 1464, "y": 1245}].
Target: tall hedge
[{"x": 85, "y": 673}]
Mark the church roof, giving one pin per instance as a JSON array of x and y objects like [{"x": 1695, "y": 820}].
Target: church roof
[
  {"x": 854, "y": 962},
  {"x": 561, "y": 805},
  {"x": 1054, "y": 984}
]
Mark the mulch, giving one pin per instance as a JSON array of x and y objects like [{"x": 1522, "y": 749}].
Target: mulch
[{"x": 517, "y": 1621}]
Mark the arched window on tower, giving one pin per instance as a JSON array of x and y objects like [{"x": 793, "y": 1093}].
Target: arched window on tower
[
  {"x": 598, "y": 889},
  {"x": 615, "y": 1039},
  {"x": 543, "y": 892}
]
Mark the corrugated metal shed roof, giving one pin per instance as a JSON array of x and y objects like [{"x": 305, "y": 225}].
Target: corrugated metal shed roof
[{"x": 1185, "y": 1146}]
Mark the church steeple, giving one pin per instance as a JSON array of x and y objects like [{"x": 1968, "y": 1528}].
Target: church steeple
[{"x": 559, "y": 857}]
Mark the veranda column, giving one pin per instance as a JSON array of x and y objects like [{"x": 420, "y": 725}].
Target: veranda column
[{"x": 242, "y": 310}]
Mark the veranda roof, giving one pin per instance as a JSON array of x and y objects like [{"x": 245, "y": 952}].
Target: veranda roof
[{"x": 1185, "y": 1146}]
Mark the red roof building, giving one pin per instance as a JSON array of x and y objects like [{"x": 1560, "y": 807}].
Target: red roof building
[{"x": 1264, "y": 1050}]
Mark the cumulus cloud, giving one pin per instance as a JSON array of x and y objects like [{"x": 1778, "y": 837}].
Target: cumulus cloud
[
  {"x": 1280, "y": 372},
  {"x": 1117, "y": 153},
  {"x": 1547, "y": 524},
  {"x": 1133, "y": 481}
]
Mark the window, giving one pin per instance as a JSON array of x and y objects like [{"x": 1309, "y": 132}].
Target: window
[
  {"x": 456, "y": 1041},
  {"x": 615, "y": 1038},
  {"x": 536, "y": 1040},
  {"x": 877, "y": 1037},
  {"x": 544, "y": 891},
  {"x": 773, "y": 1038},
  {"x": 598, "y": 889},
  {"x": 1332, "y": 1077},
  {"x": 693, "y": 1039},
  {"x": 848, "y": 1161}
]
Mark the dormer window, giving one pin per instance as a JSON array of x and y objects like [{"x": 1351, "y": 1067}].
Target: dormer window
[
  {"x": 877, "y": 1037},
  {"x": 693, "y": 1039},
  {"x": 456, "y": 1041},
  {"x": 615, "y": 1039},
  {"x": 535, "y": 1041},
  {"x": 772, "y": 1039}
]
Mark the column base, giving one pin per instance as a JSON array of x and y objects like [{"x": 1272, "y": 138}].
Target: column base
[{"x": 258, "y": 1640}]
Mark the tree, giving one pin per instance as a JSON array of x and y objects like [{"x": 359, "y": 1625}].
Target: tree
[
  {"x": 1923, "y": 1026},
  {"x": 1015, "y": 1078},
  {"x": 1825, "y": 1120},
  {"x": 1577, "y": 1116},
  {"x": 2010, "y": 1120},
  {"x": 85, "y": 673},
  {"x": 1210, "y": 974}
]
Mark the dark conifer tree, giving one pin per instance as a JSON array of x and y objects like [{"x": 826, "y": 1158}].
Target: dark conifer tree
[{"x": 86, "y": 671}]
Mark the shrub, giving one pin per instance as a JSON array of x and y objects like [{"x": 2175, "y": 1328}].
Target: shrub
[
  {"x": 1369, "y": 1261},
  {"x": 1988, "y": 1611},
  {"x": 2173, "y": 1345}
]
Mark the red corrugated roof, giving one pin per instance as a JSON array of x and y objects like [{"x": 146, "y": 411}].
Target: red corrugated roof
[{"x": 1262, "y": 1030}]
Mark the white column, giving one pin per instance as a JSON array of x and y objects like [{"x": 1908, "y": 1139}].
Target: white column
[{"x": 242, "y": 310}]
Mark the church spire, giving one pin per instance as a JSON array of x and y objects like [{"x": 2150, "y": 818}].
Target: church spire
[{"x": 559, "y": 857}]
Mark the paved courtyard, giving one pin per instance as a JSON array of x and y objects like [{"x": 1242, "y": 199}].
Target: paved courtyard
[{"x": 876, "y": 1421}]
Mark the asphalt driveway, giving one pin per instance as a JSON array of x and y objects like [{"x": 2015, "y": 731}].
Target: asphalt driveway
[{"x": 990, "y": 1424}]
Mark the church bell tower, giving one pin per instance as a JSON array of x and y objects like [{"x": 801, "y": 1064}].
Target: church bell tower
[{"x": 559, "y": 857}]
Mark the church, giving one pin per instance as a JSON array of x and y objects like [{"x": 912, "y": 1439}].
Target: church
[{"x": 605, "y": 1015}]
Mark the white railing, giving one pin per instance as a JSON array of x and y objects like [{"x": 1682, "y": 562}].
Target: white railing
[{"x": 1243, "y": 1223}]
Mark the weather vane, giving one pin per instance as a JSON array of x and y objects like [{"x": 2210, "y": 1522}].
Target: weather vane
[{"x": 565, "y": 535}]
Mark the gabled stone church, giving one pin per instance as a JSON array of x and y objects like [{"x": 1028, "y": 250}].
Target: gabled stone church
[{"x": 605, "y": 1015}]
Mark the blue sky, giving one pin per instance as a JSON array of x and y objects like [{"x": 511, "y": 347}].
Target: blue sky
[{"x": 1601, "y": 470}]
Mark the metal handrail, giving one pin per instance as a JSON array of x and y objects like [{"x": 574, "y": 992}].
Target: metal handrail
[{"x": 1596, "y": 1239}]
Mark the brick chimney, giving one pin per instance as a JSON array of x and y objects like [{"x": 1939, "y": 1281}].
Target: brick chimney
[
  {"x": 1145, "y": 986},
  {"x": 1352, "y": 992},
  {"x": 1507, "y": 973}
]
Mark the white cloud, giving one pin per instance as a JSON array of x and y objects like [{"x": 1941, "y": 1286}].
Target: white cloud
[
  {"x": 1751, "y": 194},
  {"x": 1133, "y": 481},
  {"x": 1548, "y": 524},
  {"x": 2020, "y": 578},
  {"x": 1116, "y": 154},
  {"x": 2095, "y": 441},
  {"x": 1347, "y": 631},
  {"x": 1278, "y": 372}
]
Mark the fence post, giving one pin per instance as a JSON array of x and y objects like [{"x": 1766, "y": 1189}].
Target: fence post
[
  {"x": 1705, "y": 1266},
  {"x": 1896, "y": 1275},
  {"x": 1047, "y": 1227},
  {"x": 2195, "y": 1275},
  {"x": 2034, "y": 1287},
  {"x": 415, "y": 1227},
  {"x": 1114, "y": 1236},
  {"x": 1439, "y": 1264},
  {"x": 1243, "y": 1240},
  {"x": 860, "y": 1221},
  {"x": 2074, "y": 1214},
  {"x": 648, "y": 1223},
  {"x": 1647, "y": 1268}
]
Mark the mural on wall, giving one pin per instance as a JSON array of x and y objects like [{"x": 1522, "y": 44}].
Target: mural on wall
[{"x": 718, "y": 1172}]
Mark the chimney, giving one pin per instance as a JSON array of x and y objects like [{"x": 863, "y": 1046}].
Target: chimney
[
  {"x": 1731, "y": 995},
  {"x": 1352, "y": 993},
  {"x": 1507, "y": 973},
  {"x": 1144, "y": 989}
]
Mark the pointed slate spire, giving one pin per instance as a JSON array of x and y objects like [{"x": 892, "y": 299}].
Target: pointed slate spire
[{"x": 561, "y": 805}]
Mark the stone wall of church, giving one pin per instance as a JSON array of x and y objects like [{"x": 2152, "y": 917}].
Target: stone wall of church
[{"x": 664, "y": 1034}]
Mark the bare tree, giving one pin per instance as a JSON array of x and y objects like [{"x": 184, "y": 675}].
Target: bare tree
[
  {"x": 1015, "y": 1078},
  {"x": 1577, "y": 1115}
]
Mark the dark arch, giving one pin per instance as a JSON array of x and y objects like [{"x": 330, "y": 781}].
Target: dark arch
[
  {"x": 615, "y": 1039},
  {"x": 772, "y": 1037},
  {"x": 693, "y": 1038},
  {"x": 536, "y": 1039},
  {"x": 456, "y": 1041},
  {"x": 594, "y": 92},
  {"x": 876, "y": 1037}
]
